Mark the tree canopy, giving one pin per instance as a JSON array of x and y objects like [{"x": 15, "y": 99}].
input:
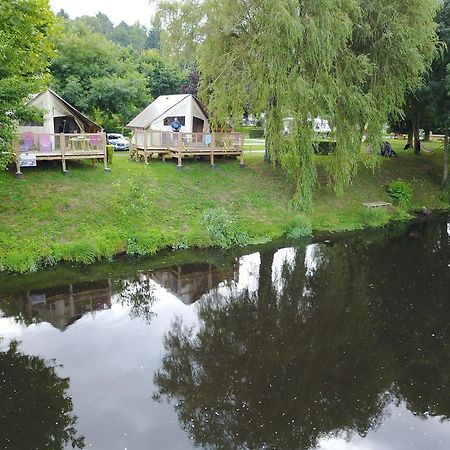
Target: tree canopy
[
  {"x": 350, "y": 61},
  {"x": 110, "y": 81},
  {"x": 26, "y": 44}
]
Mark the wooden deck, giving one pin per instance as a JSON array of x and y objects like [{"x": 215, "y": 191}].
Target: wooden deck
[
  {"x": 33, "y": 147},
  {"x": 146, "y": 143}
]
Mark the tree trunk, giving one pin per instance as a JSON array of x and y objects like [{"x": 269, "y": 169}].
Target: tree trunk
[
  {"x": 445, "y": 176},
  {"x": 427, "y": 135},
  {"x": 416, "y": 136},
  {"x": 410, "y": 138}
]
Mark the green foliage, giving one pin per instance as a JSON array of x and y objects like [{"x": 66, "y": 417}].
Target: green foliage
[
  {"x": 83, "y": 251},
  {"x": 401, "y": 192},
  {"x": 110, "y": 153},
  {"x": 351, "y": 61},
  {"x": 27, "y": 28},
  {"x": 256, "y": 133},
  {"x": 375, "y": 217},
  {"x": 224, "y": 229},
  {"x": 300, "y": 227},
  {"x": 162, "y": 79},
  {"x": 147, "y": 243},
  {"x": 94, "y": 75},
  {"x": 324, "y": 147}
]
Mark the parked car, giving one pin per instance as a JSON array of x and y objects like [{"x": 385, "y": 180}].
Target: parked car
[{"x": 118, "y": 141}]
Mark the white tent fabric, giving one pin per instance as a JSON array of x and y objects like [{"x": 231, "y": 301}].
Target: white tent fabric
[
  {"x": 159, "y": 114},
  {"x": 55, "y": 107}
]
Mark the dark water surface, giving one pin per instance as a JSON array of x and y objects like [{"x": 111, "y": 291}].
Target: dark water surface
[{"x": 336, "y": 344}]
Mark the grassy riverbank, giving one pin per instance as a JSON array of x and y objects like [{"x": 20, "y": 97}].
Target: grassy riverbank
[{"x": 88, "y": 215}]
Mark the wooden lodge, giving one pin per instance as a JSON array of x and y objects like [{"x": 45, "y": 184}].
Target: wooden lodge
[
  {"x": 165, "y": 144},
  {"x": 30, "y": 148}
]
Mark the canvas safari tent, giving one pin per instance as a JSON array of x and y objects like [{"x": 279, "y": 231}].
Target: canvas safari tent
[
  {"x": 160, "y": 114},
  {"x": 59, "y": 116}
]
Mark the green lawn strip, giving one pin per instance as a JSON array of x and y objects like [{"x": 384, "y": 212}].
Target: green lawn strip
[{"x": 88, "y": 215}]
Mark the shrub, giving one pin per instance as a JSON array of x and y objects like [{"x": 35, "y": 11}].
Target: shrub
[
  {"x": 375, "y": 217},
  {"x": 256, "y": 133},
  {"x": 400, "y": 192},
  {"x": 110, "y": 153},
  {"x": 299, "y": 227},
  {"x": 223, "y": 229}
]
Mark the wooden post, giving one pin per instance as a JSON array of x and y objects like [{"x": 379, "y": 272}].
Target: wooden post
[
  {"x": 212, "y": 165},
  {"x": 131, "y": 149},
  {"x": 105, "y": 154},
  {"x": 180, "y": 156},
  {"x": 62, "y": 144},
  {"x": 241, "y": 146},
  {"x": 145, "y": 147},
  {"x": 19, "y": 174}
]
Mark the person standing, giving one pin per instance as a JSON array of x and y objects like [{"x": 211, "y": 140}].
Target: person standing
[{"x": 176, "y": 125}]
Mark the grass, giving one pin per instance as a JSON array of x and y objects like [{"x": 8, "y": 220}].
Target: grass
[{"x": 87, "y": 215}]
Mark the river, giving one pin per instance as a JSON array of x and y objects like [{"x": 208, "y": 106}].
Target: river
[{"x": 337, "y": 343}]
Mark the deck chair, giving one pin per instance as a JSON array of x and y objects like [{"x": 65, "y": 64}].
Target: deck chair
[
  {"x": 45, "y": 143},
  {"x": 26, "y": 142},
  {"x": 94, "y": 142}
]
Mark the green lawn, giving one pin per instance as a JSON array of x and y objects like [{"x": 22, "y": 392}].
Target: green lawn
[{"x": 88, "y": 215}]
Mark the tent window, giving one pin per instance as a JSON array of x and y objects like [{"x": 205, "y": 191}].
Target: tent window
[{"x": 168, "y": 120}]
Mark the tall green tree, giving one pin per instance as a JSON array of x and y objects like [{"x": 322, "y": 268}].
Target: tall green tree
[
  {"x": 26, "y": 44},
  {"x": 352, "y": 61},
  {"x": 99, "y": 77},
  {"x": 162, "y": 79}
]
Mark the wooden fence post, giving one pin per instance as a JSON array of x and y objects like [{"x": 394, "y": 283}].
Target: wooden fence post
[{"x": 16, "y": 144}]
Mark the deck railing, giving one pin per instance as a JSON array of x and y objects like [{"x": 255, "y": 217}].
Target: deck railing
[
  {"x": 58, "y": 143},
  {"x": 146, "y": 142},
  {"x": 59, "y": 146}
]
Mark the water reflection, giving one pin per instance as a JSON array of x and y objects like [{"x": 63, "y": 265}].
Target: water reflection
[
  {"x": 283, "y": 348},
  {"x": 36, "y": 411},
  {"x": 331, "y": 336},
  {"x": 61, "y": 305}
]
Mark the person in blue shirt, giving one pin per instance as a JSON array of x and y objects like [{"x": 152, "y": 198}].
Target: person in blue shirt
[{"x": 176, "y": 125}]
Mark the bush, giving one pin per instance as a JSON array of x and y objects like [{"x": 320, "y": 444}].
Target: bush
[
  {"x": 223, "y": 229},
  {"x": 375, "y": 217},
  {"x": 300, "y": 227},
  {"x": 110, "y": 153},
  {"x": 256, "y": 133},
  {"x": 400, "y": 192},
  {"x": 324, "y": 147}
]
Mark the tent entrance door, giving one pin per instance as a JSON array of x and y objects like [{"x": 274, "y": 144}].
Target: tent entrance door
[
  {"x": 65, "y": 124},
  {"x": 197, "y": 125}
]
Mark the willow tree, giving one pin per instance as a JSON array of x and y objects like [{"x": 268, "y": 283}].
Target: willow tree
[{"x": 351, "y": 61}]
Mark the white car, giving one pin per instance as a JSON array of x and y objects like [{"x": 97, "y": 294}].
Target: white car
[{"x": 118, "y": 141}]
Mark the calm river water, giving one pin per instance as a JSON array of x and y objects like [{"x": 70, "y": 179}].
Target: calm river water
[{"x": 336, "y": 344}]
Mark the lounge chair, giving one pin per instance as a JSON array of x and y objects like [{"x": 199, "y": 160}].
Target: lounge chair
[
  {"x": 26, "y": 142},
  {"x": 45, "y": 143}
]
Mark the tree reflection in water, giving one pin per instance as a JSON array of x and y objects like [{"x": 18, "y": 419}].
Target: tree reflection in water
[
  {"x": 36, "y": 412},
  {"x": 321, "y": 356},
  {"x": 139, "y": 296}
]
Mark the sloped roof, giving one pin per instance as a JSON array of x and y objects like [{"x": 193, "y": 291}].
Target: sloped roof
[
  {"x": 158, "y": 108},
  {"x": 71, "y": 109}
]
